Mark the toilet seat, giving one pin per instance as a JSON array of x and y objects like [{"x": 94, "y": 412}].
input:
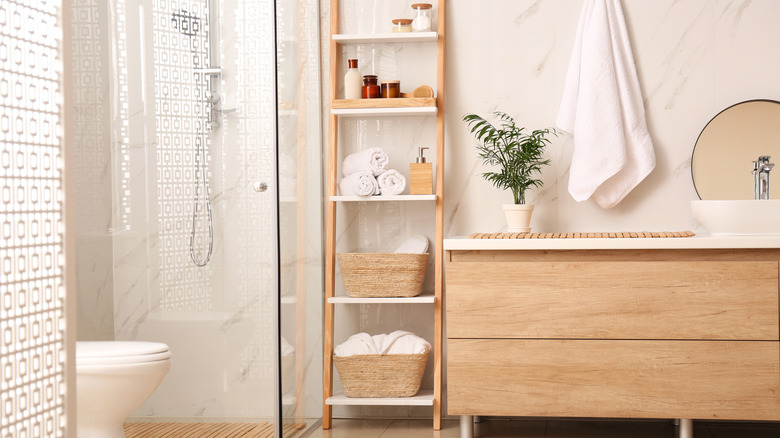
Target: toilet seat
[{"x": 120, "y": 352}]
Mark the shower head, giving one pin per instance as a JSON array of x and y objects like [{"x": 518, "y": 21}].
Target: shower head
[{"x": 186, "y": 22}]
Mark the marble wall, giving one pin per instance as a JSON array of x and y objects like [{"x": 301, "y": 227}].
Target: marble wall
[{"x": 693, "y": 58}]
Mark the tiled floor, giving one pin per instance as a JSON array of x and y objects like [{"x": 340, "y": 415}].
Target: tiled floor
[{"x": 501, "y": 428}]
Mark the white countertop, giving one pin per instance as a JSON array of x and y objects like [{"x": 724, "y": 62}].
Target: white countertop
[{"x": 703, "y": 241}]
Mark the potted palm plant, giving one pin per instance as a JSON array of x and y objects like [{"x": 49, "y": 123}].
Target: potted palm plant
[{"x": 519, "y": 157}]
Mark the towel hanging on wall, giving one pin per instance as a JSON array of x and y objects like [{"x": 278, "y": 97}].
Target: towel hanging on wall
[{"x": 602, "y": 108}]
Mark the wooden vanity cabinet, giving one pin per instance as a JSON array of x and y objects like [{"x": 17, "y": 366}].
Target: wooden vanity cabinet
[{"x": 614, "y": 333}]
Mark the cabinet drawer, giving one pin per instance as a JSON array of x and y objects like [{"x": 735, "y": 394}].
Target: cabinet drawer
[
  {"x": 613, "y": 300},
  {"x": 594, "y": 378}
]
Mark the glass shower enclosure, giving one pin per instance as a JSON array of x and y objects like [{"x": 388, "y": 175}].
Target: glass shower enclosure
[{"x": 199, "y": 199}]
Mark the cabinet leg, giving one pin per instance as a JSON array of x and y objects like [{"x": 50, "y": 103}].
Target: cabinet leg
[
  {"x": 686, "y": 428},
  {"x": 466, "y": 426}
]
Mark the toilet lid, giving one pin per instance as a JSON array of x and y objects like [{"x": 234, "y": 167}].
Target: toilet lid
[{"x": 120, "y": 352}]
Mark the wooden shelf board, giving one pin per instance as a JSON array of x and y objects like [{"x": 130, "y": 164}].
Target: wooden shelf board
[
  {"x": 385, "y": 112},
  {"x": 383, "y": 198},
  {"x": 390, "y": 37},
  {"x": 420, "y": 299},
  {"x": 400, "y": 102},
  {"x": 423, "y": 398}
]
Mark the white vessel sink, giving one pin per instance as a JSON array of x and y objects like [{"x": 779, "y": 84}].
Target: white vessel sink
[{"x": 738, "y": 217}]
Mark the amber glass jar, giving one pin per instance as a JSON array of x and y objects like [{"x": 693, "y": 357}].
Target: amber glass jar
[
  {"x": 391, "y": 89},
  {"x": 370, "y": 87}
]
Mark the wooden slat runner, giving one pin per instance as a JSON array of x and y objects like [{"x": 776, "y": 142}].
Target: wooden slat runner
[
  {"x": 601, "y": 235},
  {"x": 207, "y": 430}
]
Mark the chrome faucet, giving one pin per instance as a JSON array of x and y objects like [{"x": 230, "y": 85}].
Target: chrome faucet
[{"x": 761, "y": 169}]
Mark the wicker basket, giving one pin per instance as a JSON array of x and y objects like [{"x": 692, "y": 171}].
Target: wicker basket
[
  {"x": 381, "y": 375},
  {"x": 382, "y": 274}
]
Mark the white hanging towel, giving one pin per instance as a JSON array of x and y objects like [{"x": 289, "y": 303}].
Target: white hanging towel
[{"x": 602, "y": 108}]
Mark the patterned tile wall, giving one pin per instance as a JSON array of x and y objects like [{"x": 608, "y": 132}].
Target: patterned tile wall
[{"x": 32, "y": 295}]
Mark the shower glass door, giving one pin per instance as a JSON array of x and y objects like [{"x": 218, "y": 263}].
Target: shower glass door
[{"x": 199, "y": 199}]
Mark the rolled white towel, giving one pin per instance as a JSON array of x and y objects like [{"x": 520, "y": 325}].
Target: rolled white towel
[
  {"x": 358, "y": 184},
  {"x": 417, "y": 244},
  {"x": 373, "y": 160},
  {"x": 391, "y": 182}
]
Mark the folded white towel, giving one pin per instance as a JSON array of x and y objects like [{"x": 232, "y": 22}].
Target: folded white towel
[
  {"x": 417, "y": 244},
  {"x": 602, "y": 107},
  {"x": 373, "y": 160},
  {"x": 358, "y": 184},
  {"x": 397, "y": 342},
  {"x": 391, "y": 182}
]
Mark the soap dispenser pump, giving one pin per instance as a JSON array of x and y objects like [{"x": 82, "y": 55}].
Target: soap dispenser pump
[{"x": 421, "y": 175}]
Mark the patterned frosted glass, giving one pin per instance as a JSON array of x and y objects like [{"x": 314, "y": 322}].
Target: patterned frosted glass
[
  {"x": 32, "y": 294},
  {"x": 180, "y": 39}
]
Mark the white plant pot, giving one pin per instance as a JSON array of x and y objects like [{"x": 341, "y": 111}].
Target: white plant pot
[{"x": 518, "y": 217}]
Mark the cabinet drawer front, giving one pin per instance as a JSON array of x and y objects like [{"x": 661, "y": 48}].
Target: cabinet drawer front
[
  {"x": 636, "y": 379},
  {"x": 613, "y": 300}
]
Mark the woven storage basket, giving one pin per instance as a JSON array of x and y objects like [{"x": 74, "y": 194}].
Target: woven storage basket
[
  {"x": 382, "y": 274},
  {"x": 381, "y": 375}
]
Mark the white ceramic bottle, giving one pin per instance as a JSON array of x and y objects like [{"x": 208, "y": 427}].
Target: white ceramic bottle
[{"x": 353, "y": 81}]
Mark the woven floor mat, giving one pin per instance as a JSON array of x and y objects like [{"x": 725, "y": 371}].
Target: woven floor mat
[
  {"x": 616, "y": 235},
  {"x": 203, "y": 430}
]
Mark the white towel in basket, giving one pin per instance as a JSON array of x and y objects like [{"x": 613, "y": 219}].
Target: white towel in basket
[
  {"x": 397, "y": 342},
  {"x": 417, "y": 244}
]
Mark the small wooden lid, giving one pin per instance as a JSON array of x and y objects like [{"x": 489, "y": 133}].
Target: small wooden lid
[
  {"x": 422, "y": 6},
  {"x": 403, "y": 21}
]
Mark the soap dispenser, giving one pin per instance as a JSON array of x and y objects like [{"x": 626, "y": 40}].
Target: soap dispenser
[{"x": 421, "y": 175}]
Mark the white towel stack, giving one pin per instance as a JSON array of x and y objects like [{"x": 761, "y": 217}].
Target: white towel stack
[
  {"x": 369, "y": 164},
  {"x": 602, "y": 107},
  {"x": 397, "y": 342}
]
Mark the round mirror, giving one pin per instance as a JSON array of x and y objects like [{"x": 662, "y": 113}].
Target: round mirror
[{"x": 722, "y": 164}]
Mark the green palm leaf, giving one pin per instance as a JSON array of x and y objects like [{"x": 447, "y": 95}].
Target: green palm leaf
[{"x": 507, "y": 146}]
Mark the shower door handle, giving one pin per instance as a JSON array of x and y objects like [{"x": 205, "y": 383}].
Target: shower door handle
[{"x": 260, "y": 186}]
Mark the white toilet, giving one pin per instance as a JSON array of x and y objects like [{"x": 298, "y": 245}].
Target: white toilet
[{"x": 113, "y": 378}]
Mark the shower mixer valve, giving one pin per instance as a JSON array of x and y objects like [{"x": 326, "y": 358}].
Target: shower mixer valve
[{"x": 212, "y": 100}]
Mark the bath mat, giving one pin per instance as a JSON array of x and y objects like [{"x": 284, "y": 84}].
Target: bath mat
[
  {"x": 616, "y": 235},
  {"x": 210, "y": 430}
]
